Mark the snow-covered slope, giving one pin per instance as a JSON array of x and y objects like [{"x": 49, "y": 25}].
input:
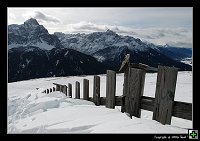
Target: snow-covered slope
[{"x": 31, "y": 111}]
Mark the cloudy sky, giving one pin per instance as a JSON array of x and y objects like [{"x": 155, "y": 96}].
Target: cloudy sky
[{"x": 164, "y": 25}]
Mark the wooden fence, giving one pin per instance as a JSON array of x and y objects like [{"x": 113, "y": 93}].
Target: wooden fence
[{"x": 132, "y": 101}]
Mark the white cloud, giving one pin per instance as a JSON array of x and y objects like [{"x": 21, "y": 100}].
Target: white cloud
[
  {"x": 84, "y": 27},
  {"x": 170, "y": 25},
  {"x": 41, "y": 17},
  {"x": 181, "y": 37},
  {"x": 11, "y": 18}
]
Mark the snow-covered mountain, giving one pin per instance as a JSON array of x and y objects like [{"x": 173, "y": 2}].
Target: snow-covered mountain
[
  {"x": 31, "y": 33},
  {"x": 34, "y": 53},
  {"x": 33, "y": 62},
  {"x": 91, "y": 43},
  {"x": 110, "y": 48}
]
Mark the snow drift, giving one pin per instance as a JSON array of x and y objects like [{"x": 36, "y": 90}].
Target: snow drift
[{"x": 31, "y": 111}]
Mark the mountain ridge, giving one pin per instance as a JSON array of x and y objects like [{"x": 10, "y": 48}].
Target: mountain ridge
[
  {"x": 105, "y": 50},
  {"x": 109, "y": 48}
]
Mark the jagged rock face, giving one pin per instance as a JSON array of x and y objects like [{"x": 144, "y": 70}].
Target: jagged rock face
[
  {"x": 31, "y": 34},
  {"x": 32, "y": 62},
  {"x": 91, "y": 43}
]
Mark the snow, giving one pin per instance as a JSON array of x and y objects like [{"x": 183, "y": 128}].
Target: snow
[
  {"x": 57, "y": 62},
  {"x": 31, "y": 111},
  {"x": 99, "y": 58},
  {"x": 43, "y": 45},
  {"x": 187, "y": 61},
  {"x": 91, "y": 43},
  {"x": 29, "y": 50},
  {"x": 66, "y": 53},
  {"x": 23, "y": 66},
  {"x": 13, "y": 45},
  {"x": 27, "y": 61}
]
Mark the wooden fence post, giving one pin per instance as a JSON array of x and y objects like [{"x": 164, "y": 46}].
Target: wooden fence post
[
  {"x": 110, "y": 89},
  {"x": 70, "y": 90},
  {"x": 65, "y": 89},
  {"x": 77, "y": 90},
  {"x": 135, "y": 89},
  {"x": 57, "y": 88},
  {"x": 61, "y": 88},
  {"x": 165, "y": 92},
  {"x": 125, "y": 89},
  {"x": 85, "y": 89},
  {"x": 96, "y": 90}
]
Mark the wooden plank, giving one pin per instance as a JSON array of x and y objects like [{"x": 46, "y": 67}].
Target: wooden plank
[
  {"x": 110, "y": 89},
  {"x": 135, "y": 91},
  {"x": 85, "y": 89},
  {"x": 144, "y": 67},
  {"x": 57, "y": 84},
  {"x": 118, "y": 100},
  {"x": 164, "y": 96},
  {"x": 147, "y": 103},
  {"x": 125, "y": 89},
  {"x": 77, "y": 90},
  {"x": 181, "y": 109},
  {"x": 96, "y": 90},
  {"x": 70, "y": 90},
  {"x": 59, "y": 87}
]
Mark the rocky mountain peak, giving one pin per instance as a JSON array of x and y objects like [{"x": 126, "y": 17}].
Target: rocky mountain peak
[
  {"x": 32, "y": 22},
  {"x": 108, "y": 31}
]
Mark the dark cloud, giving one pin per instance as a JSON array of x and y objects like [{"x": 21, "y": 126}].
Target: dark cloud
[
  {"x": 161, "y": 34},
  {"x": 45, "y": 18},
  {"x": 89, "y": 27}
]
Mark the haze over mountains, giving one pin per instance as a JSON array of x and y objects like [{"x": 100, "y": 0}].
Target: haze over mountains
[{"x": 34, "y": 53}]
